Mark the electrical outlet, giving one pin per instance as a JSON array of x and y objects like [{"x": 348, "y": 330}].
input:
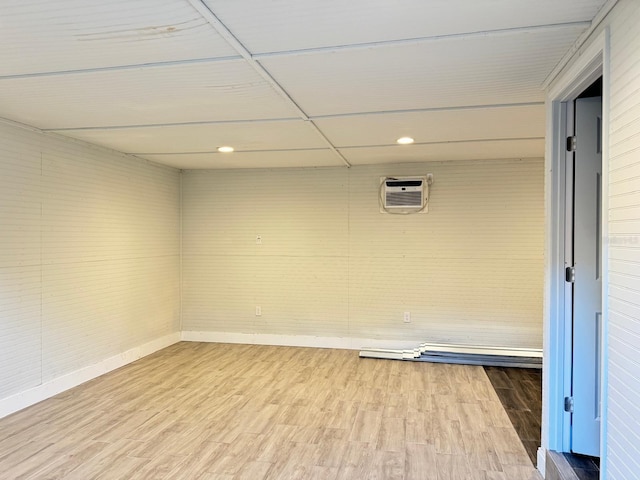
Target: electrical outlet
[
  {"x": 258, "y": 239},
  {"x": 258, "y": 311},
  {"x": 407, "y": 317}
]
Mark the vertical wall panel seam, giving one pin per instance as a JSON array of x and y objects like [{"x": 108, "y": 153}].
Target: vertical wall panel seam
[
  {"x": 181, "y": 216},
  {"x": 41, "y": 262},
  {"x": 349, "y": 332}
]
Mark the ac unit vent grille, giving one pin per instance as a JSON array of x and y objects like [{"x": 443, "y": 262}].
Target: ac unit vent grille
[{"x": 404, "y": 199}]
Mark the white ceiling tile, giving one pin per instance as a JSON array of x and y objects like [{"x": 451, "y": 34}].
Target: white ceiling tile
[
  {"x": 366, "y": 72},
  {"x": 272, "y": 159},
  {"x": 483, "y": 150},
  {"x": 436, "y": 126},
  {"x": 251, "y": 136},
  {"x": 482, "y": 70},
  {"x": 282, "y": 25},
  {"x": 66, "y": 35},
  {"x": 217, "y": 91}
]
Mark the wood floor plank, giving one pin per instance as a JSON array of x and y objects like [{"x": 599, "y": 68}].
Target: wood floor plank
[
  {"x": 63, "y": 465},
  {"x": 159, "y": 467},
  {"x": 233, "y": 412},
  {"x": 26, "y": 468},
  {"x": 391, "y": 437},
  {"x": 387, "y": 466},
  {"x": 301, "y": 463},
  {"x": 111, "y": 462},
  {"x": 29, "y": 452},
  {"x": 509, "y": 449},
  {"x": 331, "y": 452},
  {"x": 356, "y": 461},
  {"x": 418, "y": 428},
  {"x": 396, "y": 405},
  {"x": 279, "y": 442},
  {"x": 199, "y": 461},
  {"x": 420, "y": 462},
  {"x": 366, "y": 426},
  {"x": 254, "y": 470},
  {"x": 213, "y": 476},
  {"x": 452, "y": 467},
  {"x": 522, "y": 472}
]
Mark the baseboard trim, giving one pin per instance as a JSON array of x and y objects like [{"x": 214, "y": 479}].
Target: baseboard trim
[
  {"x": 48, "y": 389},
  {"x": 542, "y": 458},
  {"x": 343, "y": 343}
]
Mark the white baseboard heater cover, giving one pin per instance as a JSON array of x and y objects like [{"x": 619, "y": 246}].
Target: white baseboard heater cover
[{"x": 461, "y": 354}]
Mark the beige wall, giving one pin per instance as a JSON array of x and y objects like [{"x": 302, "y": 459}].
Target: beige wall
[
  {"x": 331, "y": 265},
  {"x": 89, "y": 256}
]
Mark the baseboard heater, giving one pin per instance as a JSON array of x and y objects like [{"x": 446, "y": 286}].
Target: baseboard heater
[{"x": 461, "y": 354}]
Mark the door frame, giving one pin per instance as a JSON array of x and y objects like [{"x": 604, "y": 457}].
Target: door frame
[{"x": 591, "y": 63}]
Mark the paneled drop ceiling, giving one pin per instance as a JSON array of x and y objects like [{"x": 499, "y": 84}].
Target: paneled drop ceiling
[{"x": 288, "y": 82}]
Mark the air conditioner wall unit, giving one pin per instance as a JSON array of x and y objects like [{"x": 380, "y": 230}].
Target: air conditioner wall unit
[{"x": 404, "y": 194}]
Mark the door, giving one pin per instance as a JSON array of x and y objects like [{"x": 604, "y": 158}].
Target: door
[{"x": 587, "y": 286}]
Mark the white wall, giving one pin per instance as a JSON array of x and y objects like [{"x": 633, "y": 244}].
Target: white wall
[
  {"x": 89, "y": 257},
  {"x": 621, "y": 453},
  {"x": 331, "y": 265}
]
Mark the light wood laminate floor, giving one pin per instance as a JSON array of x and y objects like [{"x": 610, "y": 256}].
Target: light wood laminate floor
[{"x": 216, "y": 411}]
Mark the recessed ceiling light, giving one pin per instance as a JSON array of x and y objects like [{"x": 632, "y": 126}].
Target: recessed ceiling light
[
  {"x": 225, "y": 149},
  {"x": 405, "y": 140}
]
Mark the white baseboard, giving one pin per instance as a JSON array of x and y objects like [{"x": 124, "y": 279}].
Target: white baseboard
[
  {"x": 542, "y": 461},
  {"x": 345, "y": 343},
  {"x": 48, "y": 389}
]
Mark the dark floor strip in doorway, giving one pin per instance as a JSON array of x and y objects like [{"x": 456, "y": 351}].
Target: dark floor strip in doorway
[
  {"x": 586, "y": 468},
  {"x": 520, "y": 391}
]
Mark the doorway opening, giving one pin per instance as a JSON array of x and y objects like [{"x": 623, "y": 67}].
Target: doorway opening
[
  {"x": 576, "y": 260},
  {"x": 583, "y": 275}
]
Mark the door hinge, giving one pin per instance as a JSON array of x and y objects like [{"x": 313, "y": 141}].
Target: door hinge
[
  {"x": 568, "y": 404},
  {"x": 572, "y": 144},
  {"x": 570, "y": 274}
]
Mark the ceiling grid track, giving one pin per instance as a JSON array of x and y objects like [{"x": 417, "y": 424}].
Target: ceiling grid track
[
  {"x": 285, "y": 119},
  {"x": 119, "y": 68},
  {"x": 348, "y": 147},
  {"x": 421, "y": 40},
  {"x": 230, "y": 38},
  {"x": 254, "y": 58}
]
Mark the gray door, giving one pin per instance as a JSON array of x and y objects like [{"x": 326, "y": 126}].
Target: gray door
[{"x": 587, "y": 287}]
